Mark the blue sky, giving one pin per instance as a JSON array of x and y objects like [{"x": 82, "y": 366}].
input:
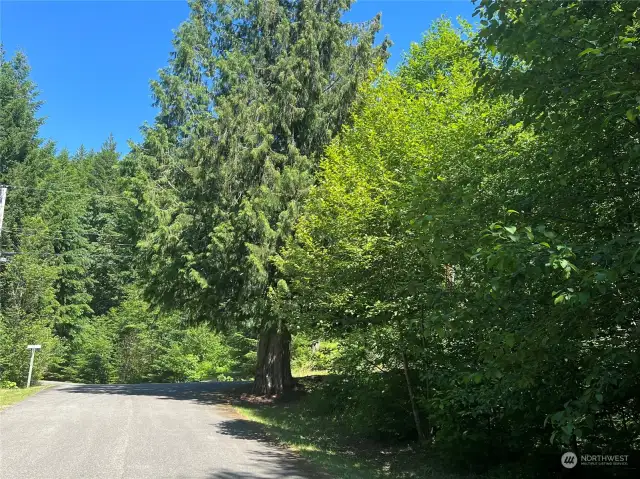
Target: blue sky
[{"x": 92, "y": 60}]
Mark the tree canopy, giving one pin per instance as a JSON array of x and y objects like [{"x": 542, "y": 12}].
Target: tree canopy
[
  {"x": 456, "y": 242},
  {"x": 253, "y": 94}
]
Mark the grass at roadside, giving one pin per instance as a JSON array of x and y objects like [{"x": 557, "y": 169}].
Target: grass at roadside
[
  {"x": 12, "y": 396},
  {"x": 326, "y": 444},
  {"x": 282, "y": 425}
]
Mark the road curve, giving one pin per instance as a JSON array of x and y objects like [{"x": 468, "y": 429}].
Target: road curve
[{"x": 137, "y": 431}]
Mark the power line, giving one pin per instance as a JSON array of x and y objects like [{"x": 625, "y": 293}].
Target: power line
[
  {"x": 121, "y": 197},
  {"x": 37, "y": 253},
  {"x": 88, "y": 242},
  {"x": 34, "y": 232},
  {"x": 75, "y": 192}
]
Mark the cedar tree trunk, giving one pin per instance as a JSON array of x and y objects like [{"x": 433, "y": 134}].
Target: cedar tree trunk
[{"x": 273, "y": 375}]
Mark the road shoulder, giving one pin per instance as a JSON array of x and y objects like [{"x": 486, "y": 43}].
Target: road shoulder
[{"x": 10, "y": 397}]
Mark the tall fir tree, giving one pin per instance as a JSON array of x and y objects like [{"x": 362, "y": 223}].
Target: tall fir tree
[
  {"x": 110, "y": 253},
  {"x": 18, "y": 107},
  {"x": 253, "y": 93}
]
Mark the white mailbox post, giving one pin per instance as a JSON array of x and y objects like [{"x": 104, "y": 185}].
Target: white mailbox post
[{"x": 33, "y": 348}]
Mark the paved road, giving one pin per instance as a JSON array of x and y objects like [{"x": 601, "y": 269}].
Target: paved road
[{"x": 137, "y": 431}]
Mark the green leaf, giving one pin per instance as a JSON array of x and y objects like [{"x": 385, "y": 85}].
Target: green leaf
[
  {"x": 631, "y": 115},
  {"x": 583, "y": 297},
  {"x": 529, "y": 233},
  {"x": 567, "y": 429},
  {"x": 589, "y": 51}
]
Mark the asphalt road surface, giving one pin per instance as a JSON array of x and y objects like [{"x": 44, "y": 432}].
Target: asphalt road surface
[{"x": 137, "y": 431}]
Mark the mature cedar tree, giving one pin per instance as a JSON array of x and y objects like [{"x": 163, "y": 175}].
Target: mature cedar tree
[{"x": 253, "y": 93}]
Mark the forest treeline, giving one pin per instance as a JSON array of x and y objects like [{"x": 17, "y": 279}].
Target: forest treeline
[{"x": 456, "y": 241}]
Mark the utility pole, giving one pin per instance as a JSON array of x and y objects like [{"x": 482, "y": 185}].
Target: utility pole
[{"x": 3, "y": 198}]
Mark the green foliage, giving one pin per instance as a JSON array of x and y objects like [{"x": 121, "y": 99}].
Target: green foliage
[
  {"x": 308, "y": 356},
  {"x": 574, "y": 84},
  {"x": 369, "y": 404},
  {"x": 245, "y": 114},
  {"x": 243, "y": 354},
  {"x": 197, "y": 354},
  {"x": 564, "y": 50},
  {"x": 51, "y": 200},
  {"x": 136, "y": 343},
  {"x": 106, "y": 217},
  {"x": 462, "y": 234},
  {"x": 497, "y": 259},
  {"x": 28, "y": 309},
  {"x": 93, "y": 355},
  {"x": 19, "y": 105}
]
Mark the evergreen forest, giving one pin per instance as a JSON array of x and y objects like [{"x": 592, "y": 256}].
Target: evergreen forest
[{"x": 448, "y": 251}]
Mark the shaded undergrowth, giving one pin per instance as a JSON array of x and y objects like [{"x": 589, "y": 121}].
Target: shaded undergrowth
[{"x": 326, "y": 440}]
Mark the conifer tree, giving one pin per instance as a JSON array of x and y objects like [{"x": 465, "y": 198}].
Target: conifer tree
[
  {"x": 253, "y": 93},
  {"x": 18, "y": 106},
  {"x": 110, "y": 253}
]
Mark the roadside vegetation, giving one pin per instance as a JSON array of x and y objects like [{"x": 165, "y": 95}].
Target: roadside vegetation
[
  {"x": 11, "y": 394},
  {"x": 337, "y": 445},
  {"x": 454, "y": 245}
]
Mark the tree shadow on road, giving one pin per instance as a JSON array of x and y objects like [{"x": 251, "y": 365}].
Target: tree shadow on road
[
  {"x": 278, "y": 462},
  {"x": 205, "y": 392},
  {"x": 244, "y": 429}
]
